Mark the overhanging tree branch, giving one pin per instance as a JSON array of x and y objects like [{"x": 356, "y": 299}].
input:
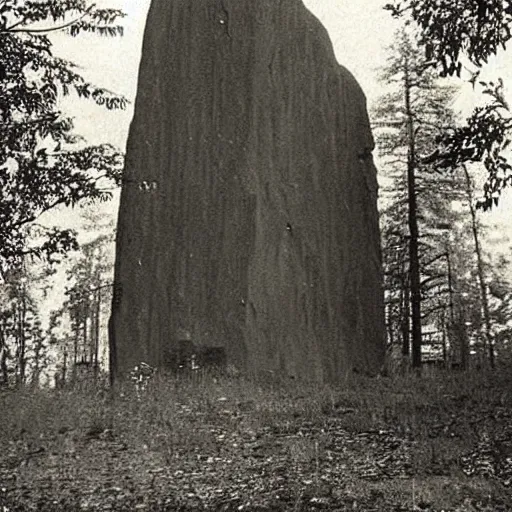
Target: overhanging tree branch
[{"x": 56, "y": 28}]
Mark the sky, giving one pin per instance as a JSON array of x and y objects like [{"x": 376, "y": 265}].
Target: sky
[
  {"x": 113, "y": 63},
  {"x": 360, "y": 31}
]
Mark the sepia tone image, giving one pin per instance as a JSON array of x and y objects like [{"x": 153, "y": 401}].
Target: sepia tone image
[{"x": 255, "y": 255}]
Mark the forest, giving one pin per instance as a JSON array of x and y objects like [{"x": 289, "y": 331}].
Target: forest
[{"x": 422, "y": 423}]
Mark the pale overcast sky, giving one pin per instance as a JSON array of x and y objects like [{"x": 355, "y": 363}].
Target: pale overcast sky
[{"x": 360, "y": 31}]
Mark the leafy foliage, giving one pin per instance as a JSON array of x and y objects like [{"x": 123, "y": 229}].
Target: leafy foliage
[
  {"x": 476, "y": 29},
  {"x": 435, "y": 193},
  {"x": 43, "y": 164},
  {"x": 450, "y": 28},
  {"x": 75, "y": 15},
  {"x": 483, "y": 138},
  {"x": 79, "y": 327},
  {"x": 23, "y": 344}
]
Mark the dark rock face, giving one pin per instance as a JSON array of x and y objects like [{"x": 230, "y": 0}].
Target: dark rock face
[{"x": 248, "y": 218}]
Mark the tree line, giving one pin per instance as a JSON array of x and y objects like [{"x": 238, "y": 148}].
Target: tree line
[
  {"x": 437, "y": 277},
  {"x": 45, "y": 165},
  {"x": 445, "y": 299}
]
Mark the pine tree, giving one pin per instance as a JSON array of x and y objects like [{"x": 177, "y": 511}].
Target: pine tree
[
  {"x": 23, "y": 347},
  {"x": 408, "y": 119},
  {"x": 480, "y": 270},
  {"x": 79, "y": 328},
  {"x": 500, "y": 308}
]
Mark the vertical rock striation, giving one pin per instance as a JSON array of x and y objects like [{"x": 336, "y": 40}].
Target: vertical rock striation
[{"x": 248, "y": 217}]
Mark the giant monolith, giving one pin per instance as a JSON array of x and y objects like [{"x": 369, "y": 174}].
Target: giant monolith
[{"x": 248, "y": 216}]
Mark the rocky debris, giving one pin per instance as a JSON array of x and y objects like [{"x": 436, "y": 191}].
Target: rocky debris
[{"x": 491, "y": 458}]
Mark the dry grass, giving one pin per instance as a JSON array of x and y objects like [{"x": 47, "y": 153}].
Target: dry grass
[{"x": 221, "y": 443}]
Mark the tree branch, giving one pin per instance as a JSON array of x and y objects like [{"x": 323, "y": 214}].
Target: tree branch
[
  {"x": 35, "y": 216},
  {"x": 12, "y": 28}
]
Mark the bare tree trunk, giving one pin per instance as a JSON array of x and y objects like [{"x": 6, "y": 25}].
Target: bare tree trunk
[
  {"x": 389, "y": 325},
  {"x": 443, "y": 332},
  {"x": 450, "y": 287},
  {"x": 76, "y": 340},
  {"x": 22, "y": 349},
  {"x": 36, "y": 368},
  {"x": 414, "y": 264},
  {"x": 4, "y": 377},
  {"x": 406, "y": 316},
  {"x": 86, "y": 337},
  {"x": 64, "y": 366},
  {"x": 97, "y": 331},
  {"x": 462, "y": 336},
  {"x": 480, "y": 270},
  {"x": 456, "y": 333}
]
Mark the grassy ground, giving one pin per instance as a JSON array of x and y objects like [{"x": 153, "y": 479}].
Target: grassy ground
[{"x": 436, "y": 443}]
